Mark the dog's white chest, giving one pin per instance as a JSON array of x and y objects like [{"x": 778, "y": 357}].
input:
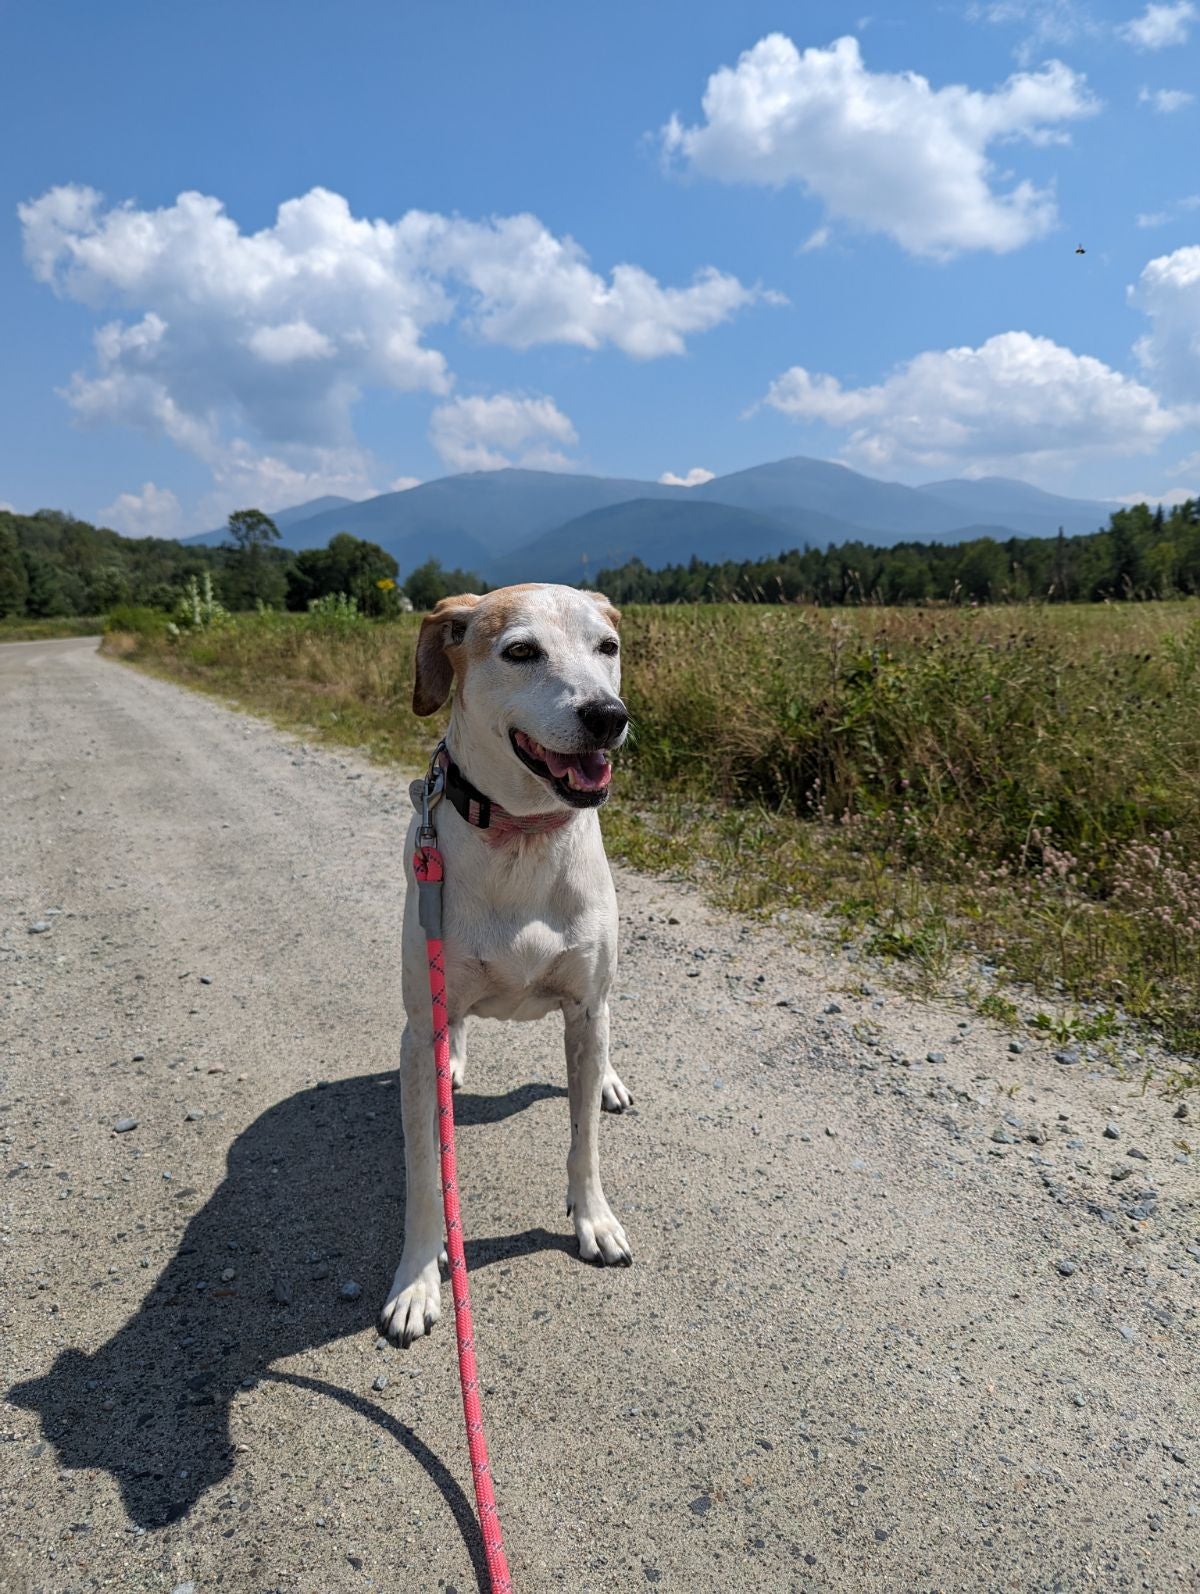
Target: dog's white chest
[{"x": 523, "y": 974}]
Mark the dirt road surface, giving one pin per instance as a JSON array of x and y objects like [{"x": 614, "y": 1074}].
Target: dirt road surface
[{"x": 892, "y": 1325}]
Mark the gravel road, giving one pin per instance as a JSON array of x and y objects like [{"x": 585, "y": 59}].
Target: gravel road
[{"x": 894, "y": 1325}]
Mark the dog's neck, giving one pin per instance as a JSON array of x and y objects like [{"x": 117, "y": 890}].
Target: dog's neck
[
  {"x": 496, "y": 795},
  {"x": 481, "y": 813}
]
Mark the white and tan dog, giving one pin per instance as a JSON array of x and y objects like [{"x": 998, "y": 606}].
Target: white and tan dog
[{"x": 530, "y": 914}]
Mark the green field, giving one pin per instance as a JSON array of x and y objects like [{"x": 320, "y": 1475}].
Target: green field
[{"x": 1019, "y": 783}]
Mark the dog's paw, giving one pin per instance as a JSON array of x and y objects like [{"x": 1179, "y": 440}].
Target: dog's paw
[
  {"x": 458, "y": 1073},
  {"x": 413, "y": 1305},
  {"x": 613, "y": 1095},
  {"x": 601, "y": 1238}
]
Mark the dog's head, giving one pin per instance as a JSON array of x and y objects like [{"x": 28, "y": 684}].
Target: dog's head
[{"x": 538, "y": 673}]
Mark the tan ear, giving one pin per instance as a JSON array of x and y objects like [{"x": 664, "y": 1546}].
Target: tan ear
[
  {"x": 440, "y": 631},
  {"x": 611, "y": 614}
]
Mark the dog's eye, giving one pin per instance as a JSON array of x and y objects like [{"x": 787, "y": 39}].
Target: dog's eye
[
  {"x": 522, "y": 652},
  {"x": 609, "y": 646}
]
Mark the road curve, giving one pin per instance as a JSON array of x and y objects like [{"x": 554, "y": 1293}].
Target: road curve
[{"x": 889, "y": 1328}]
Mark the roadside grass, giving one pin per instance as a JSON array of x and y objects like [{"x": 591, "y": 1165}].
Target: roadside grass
[
  {"x": 1020, "y": 784},
  {"x": 24, "y": 630}
]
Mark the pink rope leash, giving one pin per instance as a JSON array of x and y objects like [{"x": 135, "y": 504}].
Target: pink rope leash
[{"x": 428, "y": 868}]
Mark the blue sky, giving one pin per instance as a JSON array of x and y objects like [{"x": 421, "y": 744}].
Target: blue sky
[{"x": 252, "y": 253}]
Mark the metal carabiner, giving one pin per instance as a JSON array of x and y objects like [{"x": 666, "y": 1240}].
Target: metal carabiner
[{"x": 432, "y": 791}]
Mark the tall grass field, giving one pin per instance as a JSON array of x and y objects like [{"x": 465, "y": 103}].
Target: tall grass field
[{"x": 1019, "y": 783}]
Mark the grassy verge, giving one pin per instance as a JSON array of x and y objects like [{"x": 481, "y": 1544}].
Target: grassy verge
[
  {"x": 42, "y": 630},
  {"x": 1022, "y": 784}
]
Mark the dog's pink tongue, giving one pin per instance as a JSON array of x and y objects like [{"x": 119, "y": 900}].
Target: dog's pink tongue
[{"x": 590, "y": 771}]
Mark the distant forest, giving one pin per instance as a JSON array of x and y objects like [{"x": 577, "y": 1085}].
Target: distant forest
[
  {"x": 1143, "y": 553},
  {"x": 53, "y": 564}
]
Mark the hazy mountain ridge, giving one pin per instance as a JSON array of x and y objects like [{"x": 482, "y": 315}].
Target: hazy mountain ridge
[{"x": 513, "y": 525}]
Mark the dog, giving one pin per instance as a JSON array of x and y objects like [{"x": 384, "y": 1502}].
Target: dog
[{"x": 530, "y": 912}]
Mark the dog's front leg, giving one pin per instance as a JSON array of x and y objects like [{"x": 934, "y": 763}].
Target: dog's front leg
[
  {"x": 414, "y": 1301},
  {"x": 601, "y": 1237}
]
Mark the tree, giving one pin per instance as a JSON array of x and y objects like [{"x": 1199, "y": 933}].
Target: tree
[
  {"x": 44, "y": 595},
  {"x": 428, "y": 583},
  {"x": 348, "y": 565},
  {"x": 14, "y": 583},
  {"x": 254, "y": 576}
]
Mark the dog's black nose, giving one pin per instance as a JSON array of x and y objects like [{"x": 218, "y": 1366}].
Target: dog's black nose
[{"x": 604, "y": 718}]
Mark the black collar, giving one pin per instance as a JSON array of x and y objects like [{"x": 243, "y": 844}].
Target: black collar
[{"x": 470, "y": 802}]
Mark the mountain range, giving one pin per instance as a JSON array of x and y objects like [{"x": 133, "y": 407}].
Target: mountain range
[{"x": 523, "y": 525}]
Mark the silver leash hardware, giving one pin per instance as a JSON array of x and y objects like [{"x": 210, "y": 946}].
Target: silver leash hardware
[{"x": 429, "y": 892}]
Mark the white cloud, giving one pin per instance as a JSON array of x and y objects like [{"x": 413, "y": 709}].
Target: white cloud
[
  {"x": 1169, "y": 498},
  {"x": 882, "y": 150},
  {"x": 1169, "y": 293},
  {"x": 1166, "y": 101},
  {"x": 1159, "y": 26},
  {"x": 294, "y": 340},
  {"x": 6, "y": 507},
  {"x": 696, "y": 477},
  {"x": 529, "y": 287},
  {"x": 1173, "y": 212},
  {"x": 506, "y": 429},
  {"x": 1016, "y": 402},
  {"x": 249, "y": 350},
  {"x": 402, "y": 484},
  {"x": 154, "y": 512}
]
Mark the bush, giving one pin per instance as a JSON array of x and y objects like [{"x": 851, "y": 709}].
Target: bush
[{"x": 137, "y": 620}]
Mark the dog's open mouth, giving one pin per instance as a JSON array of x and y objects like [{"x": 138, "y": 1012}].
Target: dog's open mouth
[{"x": 581, "y": 779}]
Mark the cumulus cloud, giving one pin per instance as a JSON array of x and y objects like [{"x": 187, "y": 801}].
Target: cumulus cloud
[
  {"x": 696, "y": 477},
  {"x": 1159, "y": 26},
  {"x": 154, "y": 512},
  {"x": 1016, "y": 402},
  {"x": 882, "y": 150},
  {"x": 505, "y": 429},
  {"x": 1165, "y": 101},
  {"x": 250, "y": 350},
  {"x": 401, "y": 484},
  {"x": 1169, "y": 292},
  {"x": 527, "y": 287}
]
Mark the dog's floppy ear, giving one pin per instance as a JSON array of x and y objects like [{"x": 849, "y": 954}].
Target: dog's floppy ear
[
  {"x": 441, "y": 630},
  {"x": 611, "y": 614}
]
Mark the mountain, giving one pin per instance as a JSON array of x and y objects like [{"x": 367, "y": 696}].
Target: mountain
[
  {"x": 512, "y": 525},
  {"x": 283, "y": 518},
  {"x": 663, "y": 532},
  {"x": 816, "y": 485},
  {"x": 473, "y": 519},
  {"x": 1029, "y": 511}
]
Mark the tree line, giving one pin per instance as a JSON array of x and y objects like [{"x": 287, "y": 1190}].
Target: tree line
[
  {"x": 52, "y": 564},
  {"x": 1142, "y": 553}
]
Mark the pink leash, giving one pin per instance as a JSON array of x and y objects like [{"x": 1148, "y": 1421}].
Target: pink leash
[{"x": 428, "y": 868}]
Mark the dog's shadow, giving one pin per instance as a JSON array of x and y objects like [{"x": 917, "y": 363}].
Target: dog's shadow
[{"x": 313, "y": 1199}]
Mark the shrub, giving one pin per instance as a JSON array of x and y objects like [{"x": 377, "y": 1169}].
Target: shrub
[{"x": 136, "y": 619}]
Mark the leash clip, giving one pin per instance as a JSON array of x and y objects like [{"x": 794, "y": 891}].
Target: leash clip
[{"x": 432, "y": 791}]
